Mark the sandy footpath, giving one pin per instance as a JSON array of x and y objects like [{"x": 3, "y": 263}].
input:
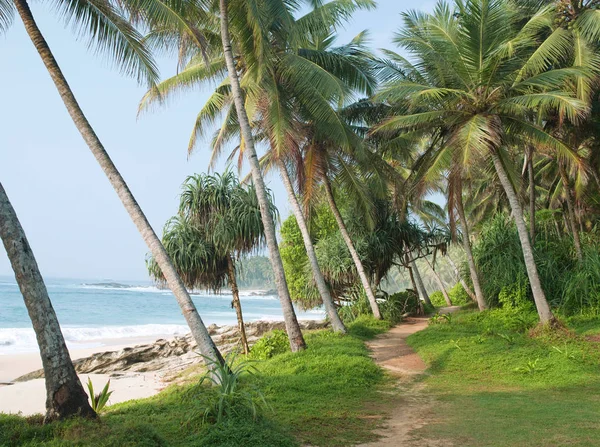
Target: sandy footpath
[{"x": 29, "y": 397}]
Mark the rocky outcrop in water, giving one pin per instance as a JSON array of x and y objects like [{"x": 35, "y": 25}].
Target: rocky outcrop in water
[{"x": 171, "y": 356}]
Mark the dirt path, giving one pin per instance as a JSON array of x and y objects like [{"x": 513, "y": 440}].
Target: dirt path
[{"x": 411, "y": 403}]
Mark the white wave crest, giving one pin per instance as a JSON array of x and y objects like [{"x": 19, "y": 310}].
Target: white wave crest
[{"x": 15, "y": 340}]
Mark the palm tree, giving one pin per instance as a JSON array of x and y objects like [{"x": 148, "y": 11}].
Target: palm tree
[
  {"x": 479, "y": 78},
  {"x": 296, "y": 338},
  {"x": 64, "y": 393},
  {"x": 300, "y": 69},
  {"x": 231, "y": 220},
  {"x": 113, "y": 32}
]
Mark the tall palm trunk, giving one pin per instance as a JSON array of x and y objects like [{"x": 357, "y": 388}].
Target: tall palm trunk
[
  {"x": 235, "y": 292},
  {"x": 357, "y": 262},
  {"x": 531, "y": 175},
  {"x": 463, "y": 283},
  {"x": 440, "y": 283},
  {"x": 64, "y": 394},
  {"x": 291, "y": 322},
  {"x": 420, "y": 285},
  {"x": 205, "y": 343},
  {"x": 467, "y": 245},
  {"x": 539, "y": 296},
  {"x": 336, "y": 322},
  {"x": 571, "y": 210},
  {"x": 414, "y": 283}
]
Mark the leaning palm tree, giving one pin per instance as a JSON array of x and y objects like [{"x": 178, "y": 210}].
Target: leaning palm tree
[
  {"x": 102, "y": 19},
  {"x": 64, "y": 393},
  {"x": 296, "y": 338},
  {"x": 302, "y": 77},
  {"x": 480, "y": 76}
]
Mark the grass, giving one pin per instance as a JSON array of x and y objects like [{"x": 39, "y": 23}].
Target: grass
[
  {"x": 497, "y": 386},
  {"x": 328, "y": 395}
]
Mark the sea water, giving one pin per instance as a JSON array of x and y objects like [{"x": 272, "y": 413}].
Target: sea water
[{"x": 90, "y": 311}]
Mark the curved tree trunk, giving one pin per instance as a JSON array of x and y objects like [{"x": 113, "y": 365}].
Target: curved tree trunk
[
  {"x": 64, "y": 393},
  {"x": 357, "y": 262},
  {"x": 440, "y": 283},
  {"x": 463, "y": 283},
  {"x": 237, "y": 305},
  {"x": 336, "y": 322},
  {"x": 291, "y": 322},
  {"x": 420, "y": 285},
  {"x": 467, "y": 245},
  {"x": 531, "y": 175},
  {"x": 539, "y": 296},
  {"x": 571, "y": 210},
  {"x": 205, "y": 343}
]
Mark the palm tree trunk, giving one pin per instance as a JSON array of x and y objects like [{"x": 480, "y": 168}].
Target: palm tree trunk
[
  {"x": 531, "y": 175},
  {"x": 205, "y": 343},
  {"x": 539, "y": 296},
  {"x": 64, "y": 393},
  {"x": 463, "y": 283},
  {"x": 291, "y": 322},
  {"x": 357, "y": 262},
  {"x": 336, "y": 322},
  {"x": 467, "y": 245},
  {"x": 414, "y": 283},
  {"x": 420, "y": 285},
  {"x": 571, "y": 210},
  {"x": 440, "y": 283},
  {"x": 235, "y": 292}
]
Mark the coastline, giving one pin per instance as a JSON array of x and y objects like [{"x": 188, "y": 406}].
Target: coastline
[{"x": 161, "y": 360}]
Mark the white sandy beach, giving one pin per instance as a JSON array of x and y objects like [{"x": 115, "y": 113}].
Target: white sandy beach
[{"x": 29, "y": 397}]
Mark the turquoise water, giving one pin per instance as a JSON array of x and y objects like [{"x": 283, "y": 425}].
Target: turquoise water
[{"x": 90, "y": 311}]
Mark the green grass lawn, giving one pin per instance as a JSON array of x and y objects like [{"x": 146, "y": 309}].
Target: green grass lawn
[
  {"x": 328, "y": 395},
  {"x": 497, "y": 386}
]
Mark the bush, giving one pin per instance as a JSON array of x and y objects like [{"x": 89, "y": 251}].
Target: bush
[
  {"x": 458, "y": 295},
  {"x": 437, "y": 299},
  {"x": 237, "y": 432},
  {"x": 398, "y": 304},
  {"x": 271, "y": 344}
]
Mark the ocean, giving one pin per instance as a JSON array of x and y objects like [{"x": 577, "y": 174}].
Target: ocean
[{"x": 90, "y": 311}]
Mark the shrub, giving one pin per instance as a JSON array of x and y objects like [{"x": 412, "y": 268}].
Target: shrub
[
  {"x": 437, "y": 299},
  {"x": 271, "y": 344},
  {"x": 514, "y": 296},
  {"x": 398, "y": 304},
  {"x": 458, "y": 295},
  {"x": 231, "y": 399}
]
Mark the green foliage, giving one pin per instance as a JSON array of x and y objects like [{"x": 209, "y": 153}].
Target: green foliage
[
  {"x": 437, "y": 299},
  {"x": 100, "y": 400},
  {"x": 569, "y": 285},
  {"x": 231, "y": 399},
  {"x": 271, "y": 344},
  {"x": 236, "y": 432},
  {"x": 458, "y": 295},
  {"x": 399, "y": 304}
]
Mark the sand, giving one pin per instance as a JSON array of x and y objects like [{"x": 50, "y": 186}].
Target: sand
[{"x": 29, "y": 397}]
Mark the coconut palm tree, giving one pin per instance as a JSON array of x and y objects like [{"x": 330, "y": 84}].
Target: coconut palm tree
[
  {"x": 303, "y": 77},
  {"x": 479, "y": 77},
  {"x": 64, "y": 393},
  {"x": 102, "y": 19}
]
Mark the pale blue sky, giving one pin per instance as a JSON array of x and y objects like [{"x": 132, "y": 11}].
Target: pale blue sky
[{"x": 74, "y": 221}]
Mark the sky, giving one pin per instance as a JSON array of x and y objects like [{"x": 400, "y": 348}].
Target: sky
[{"x": 73, "y": 219}]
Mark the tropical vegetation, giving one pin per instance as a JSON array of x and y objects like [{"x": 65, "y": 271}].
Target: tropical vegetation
[{"x": 459, "y": 169}]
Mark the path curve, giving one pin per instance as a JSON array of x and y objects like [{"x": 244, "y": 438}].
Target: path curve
[{"x": 411, "y": 403}]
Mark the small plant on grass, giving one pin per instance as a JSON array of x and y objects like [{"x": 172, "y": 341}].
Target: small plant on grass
[
  {"x": 456, "y": 344},
  {"x": 510, "y": 339},
  {"x": 100, "y": 400},
  {"x": 567, "y": 351},
  {"x": 436, "y": 319},
  {"x": 479, "y": 340},
  {"x": 531, "y": 367},
  {"x": 231, "y": 397},
  {"x": 273, "y": 343}
]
